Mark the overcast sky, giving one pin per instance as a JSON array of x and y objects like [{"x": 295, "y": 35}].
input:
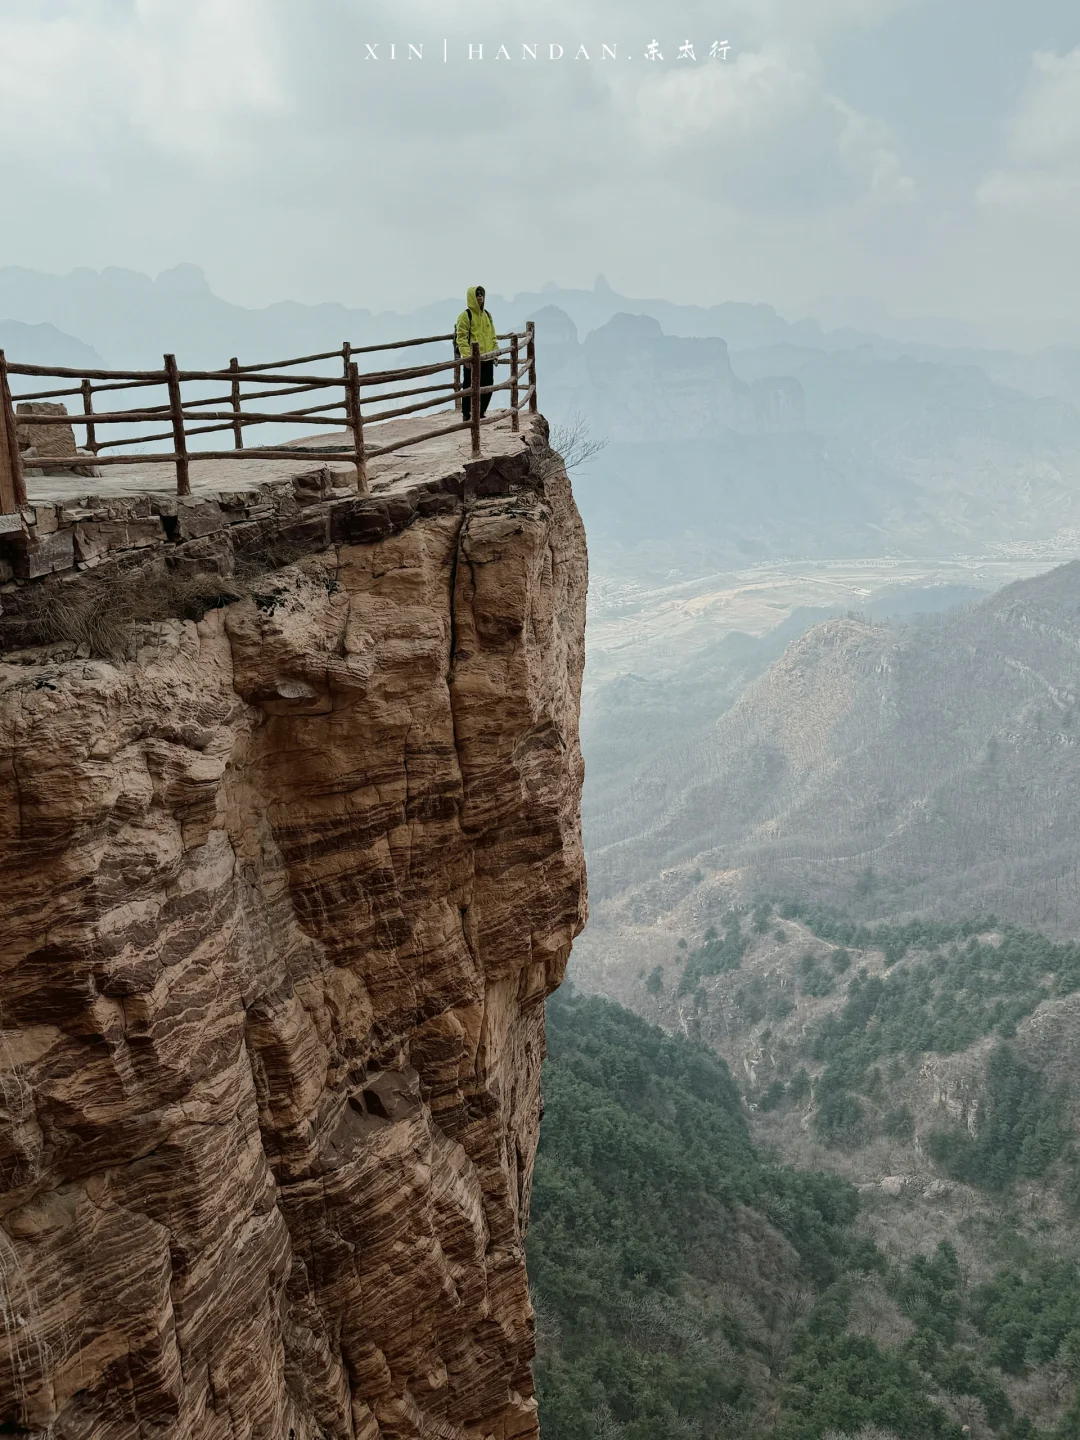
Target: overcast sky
[{"x": 922, "y": 153}]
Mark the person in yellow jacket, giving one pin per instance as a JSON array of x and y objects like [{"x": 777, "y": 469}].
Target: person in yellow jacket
[{"x": 476, "y": 325}]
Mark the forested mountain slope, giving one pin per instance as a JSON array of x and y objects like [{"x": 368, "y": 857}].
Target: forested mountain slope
[{"x": 696, "y": 1270}]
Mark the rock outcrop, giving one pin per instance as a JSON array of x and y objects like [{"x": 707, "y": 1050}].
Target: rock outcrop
[{"x": 282, "y": 899}]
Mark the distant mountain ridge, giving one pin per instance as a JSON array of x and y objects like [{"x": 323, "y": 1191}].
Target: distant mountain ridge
[
  {"x": 127, "y": 315},
  {"x": 794, "y": 451},
  {"x": 46, "y": 345},
  {"x": 130, "y": 317},
  {"x": 932, "y": 767},
  {"x": 637, "y": 383},
  {"x": 735, "y": 434}
]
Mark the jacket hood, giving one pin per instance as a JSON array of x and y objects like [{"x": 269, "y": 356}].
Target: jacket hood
[{"x": 471, "y": 300}]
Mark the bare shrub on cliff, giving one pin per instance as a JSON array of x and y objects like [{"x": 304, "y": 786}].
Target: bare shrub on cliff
[{"x": 569, "y": 447}]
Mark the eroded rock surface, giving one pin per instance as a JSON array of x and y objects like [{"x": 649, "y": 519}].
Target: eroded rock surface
[{"x": 282, "y": 898}]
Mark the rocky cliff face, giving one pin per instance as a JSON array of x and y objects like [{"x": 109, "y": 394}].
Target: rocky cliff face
[{"x": 283, "y": 896}]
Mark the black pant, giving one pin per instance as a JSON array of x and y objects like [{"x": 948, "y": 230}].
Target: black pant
[{"x": 487, "y": 377}]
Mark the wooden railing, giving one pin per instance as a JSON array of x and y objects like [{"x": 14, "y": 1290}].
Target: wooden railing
[{"x": 187, "y": 417}]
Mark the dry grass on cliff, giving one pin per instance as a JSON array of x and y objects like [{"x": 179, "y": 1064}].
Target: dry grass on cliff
[
  {"x": 101, "y": 619},
  {"x": 99, "y": 613}
]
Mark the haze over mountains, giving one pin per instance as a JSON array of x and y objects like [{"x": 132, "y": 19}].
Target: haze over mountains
[
  {"x": 43, "y": 344},
  {"x": 923, "y": 771},
  {"x": 764, "y": 437},
  {"x": 788, "y": 450},
  {"x": 127, "y": 316}
]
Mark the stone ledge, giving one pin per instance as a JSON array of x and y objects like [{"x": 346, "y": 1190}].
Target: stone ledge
[{"x": 57, "y": 542}]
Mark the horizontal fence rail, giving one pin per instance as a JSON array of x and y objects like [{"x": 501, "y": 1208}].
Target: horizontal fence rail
[{"x": 338, "y": 400}]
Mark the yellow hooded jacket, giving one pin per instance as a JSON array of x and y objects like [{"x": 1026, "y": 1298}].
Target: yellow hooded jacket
[{"x": 475, "y": 324}]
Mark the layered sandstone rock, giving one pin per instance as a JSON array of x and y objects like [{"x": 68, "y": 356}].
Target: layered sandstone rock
[{"x": 282, "y": 898}]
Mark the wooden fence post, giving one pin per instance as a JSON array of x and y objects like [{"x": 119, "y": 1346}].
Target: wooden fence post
[
  {"x": 176, "y": 408},
  {"x": 356, "y": 419},
  {"x": 12, "y": 483},
  {"x": 346, "y": 380},
  {"x": 530, "y": 351},
  {"x": 352, "y": 407},
  {"x": 238, "y": 429},
  {"x": 457, "y": 378},
  {"x": 474, "y": 404},
  {"x": 88, "y": 409},
  {"x": 346, "y": 366},
  {"x": 515, "y": 423}
]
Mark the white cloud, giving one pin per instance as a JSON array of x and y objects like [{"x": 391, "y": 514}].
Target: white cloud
[
  {"x": 1046, "y": 127},
  {"x": 1040, "y": 169},
  {"x": 176, "y": 80},
  {"x": 769, "y": 131},
  {"x": 199, "y": 67},
  {"x": 813, "y": 20},
  {"x": 248, "y": 136}
]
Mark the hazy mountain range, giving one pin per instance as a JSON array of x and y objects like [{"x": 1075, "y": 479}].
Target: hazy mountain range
[
  {"x": 734, "y": 434},
  {"x": 44, "y": 344},
  {"x": 928, "y": 766},
  {"x": 130, "y": 318}
]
